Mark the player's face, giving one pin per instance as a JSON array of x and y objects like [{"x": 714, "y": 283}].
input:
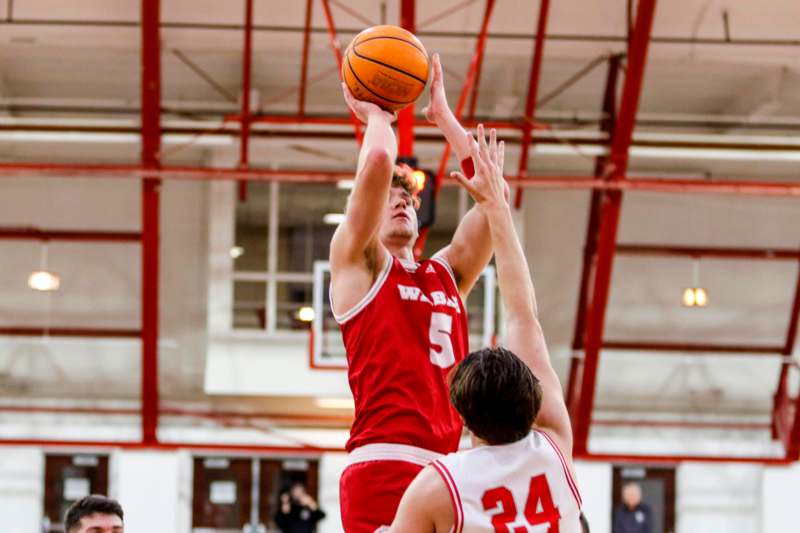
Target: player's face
[
  {"x": 101, "y": 523},
  {"x": 400, "y": 217}
]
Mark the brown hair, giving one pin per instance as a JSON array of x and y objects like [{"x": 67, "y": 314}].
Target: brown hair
[
  {"x": 403, "y": 177},
  {"x": 496, "y": 394},
  {"x": 89, "y": 505}
]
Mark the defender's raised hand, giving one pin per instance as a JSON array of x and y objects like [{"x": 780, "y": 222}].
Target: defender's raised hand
[
  {"x": 488, "y": 188},
  {"x": 362, "y": 110}
]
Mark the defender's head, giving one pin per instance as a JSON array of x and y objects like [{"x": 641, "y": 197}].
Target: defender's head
[
  {"x": 94, "y": 514},
  {"x": 399, "y": 222},
  {"x": 496, "y": 394}
]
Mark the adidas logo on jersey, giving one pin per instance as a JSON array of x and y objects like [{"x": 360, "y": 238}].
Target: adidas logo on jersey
[{"x": 430, "y": 270}]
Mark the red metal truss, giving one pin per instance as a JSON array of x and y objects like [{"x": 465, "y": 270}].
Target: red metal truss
[
  {"x": 533, "y": 91},
  {"x": 405, "y": 119},
  {"x": 301, "y": 103},
  {"x": 590, "y": 247},
  {"x": 151, "y": 187},
  {"x": 19, "y": 331},
  {"x": 476, "y": 84},
  {"x": 244, "y": 118},
  {"x": 714, "y": 252},
  {"x": 477, "y": 58},
  {"x": 786, "y": 410},
  {"x": 609, "y": 220},
  {"x": 337, "y": 52},
  {"x": 45, "y": 235}
]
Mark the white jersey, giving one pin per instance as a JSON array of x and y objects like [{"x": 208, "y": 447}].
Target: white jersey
[{"x": 522, "y": 487}]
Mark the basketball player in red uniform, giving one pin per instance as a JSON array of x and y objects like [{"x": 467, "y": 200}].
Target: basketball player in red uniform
[
  {"x": 519, "y": 474},
  {"x": 403, "y": 323}
]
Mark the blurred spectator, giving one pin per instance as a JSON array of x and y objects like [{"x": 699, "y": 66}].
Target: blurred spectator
[
  {"x": 632, "y": 515},
  {"x": 297, "y": 511},
  {"x": 94, "y": 514}
]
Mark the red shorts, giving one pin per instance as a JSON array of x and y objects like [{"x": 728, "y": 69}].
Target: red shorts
[{"x": 370, "y": 492}]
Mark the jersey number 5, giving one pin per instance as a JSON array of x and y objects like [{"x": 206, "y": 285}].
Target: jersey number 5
[
  {"x": 539, "y": 508},
  {"x": 441, "y": 350}
]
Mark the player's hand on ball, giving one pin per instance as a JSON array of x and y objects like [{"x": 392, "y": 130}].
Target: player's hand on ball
[
  {"x": 488, "y": 187},
  {"x": 363, "y": 110},
  {"x": 438, "y": 105}
]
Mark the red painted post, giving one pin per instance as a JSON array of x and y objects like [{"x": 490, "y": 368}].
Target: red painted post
[
  {"x": 533, "y": 92},
  {"x": 337, "y": 52},
  {"x": 782, "y": 400},
  {"x": 476, "y": 86},
  {"x": 151, "y": 186},
  {"x": 609, "y": 219},
  {"x": 301, "y": 104},
  {"x": 405, "y": 119},
  {"x": 244, "y": 119}
]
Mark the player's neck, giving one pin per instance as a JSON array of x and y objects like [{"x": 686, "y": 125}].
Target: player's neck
[
  {"x": 478, "y": 442},
  {"x": 404, "y": 252}
]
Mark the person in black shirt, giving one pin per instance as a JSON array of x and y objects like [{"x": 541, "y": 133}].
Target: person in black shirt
[
  {"x": 297, "y": 511},
  {"x": 632, "y": 515}
]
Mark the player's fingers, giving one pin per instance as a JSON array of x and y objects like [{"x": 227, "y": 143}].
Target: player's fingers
[
  {"x": 493, "y": 145},
  {"x": 463, "y": 180},
  {"x": 501, "y": 156}
]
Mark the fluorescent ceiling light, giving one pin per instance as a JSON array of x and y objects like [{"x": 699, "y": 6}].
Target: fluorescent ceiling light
[
  {"x": 333, "y": 219},
  {"x": 335, "y": 403},
  {"x": 236, "y": 252},
  {"x": 42, "y": 280},
  {"x": 345, "y": 184}
]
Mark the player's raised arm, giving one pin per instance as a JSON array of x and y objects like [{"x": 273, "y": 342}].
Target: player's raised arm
[
  {"x": 524, "y": 333},
  {"x": 372, "y": 183},
  {"x": 470, "y": 250}
]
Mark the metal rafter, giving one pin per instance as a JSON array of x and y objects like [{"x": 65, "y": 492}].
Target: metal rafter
[
  {"x": 476, "y": 84},
  {"x": 533, "y": 91},
  {"x": 590, "y": 248},
  {"x": 609, "y": 219},
  {"x": 244, "y": 118},
  {"x": 151, "y": 186},
  {"x": 477, "y": 57},
  {"x": 301, "y": 103},
  {"x": 336, "y": 47},
  {"x": 405, "y": 119}
]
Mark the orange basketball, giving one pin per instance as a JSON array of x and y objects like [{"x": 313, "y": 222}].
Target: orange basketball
[{"x": 386, "y": 65}]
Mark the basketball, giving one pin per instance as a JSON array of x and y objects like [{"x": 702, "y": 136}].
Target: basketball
[{"x": 386, "y": 65}]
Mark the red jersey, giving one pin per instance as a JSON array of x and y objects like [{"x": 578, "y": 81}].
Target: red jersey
[{"x": 402, "y": 340}]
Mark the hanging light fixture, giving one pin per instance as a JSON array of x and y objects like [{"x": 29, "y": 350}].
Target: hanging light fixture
[
  {"x": 43, "y": 280},
  {"x": 695, "y": 296}
]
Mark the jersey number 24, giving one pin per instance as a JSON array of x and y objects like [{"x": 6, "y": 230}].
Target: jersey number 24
[{"x": 539, "y": 508}]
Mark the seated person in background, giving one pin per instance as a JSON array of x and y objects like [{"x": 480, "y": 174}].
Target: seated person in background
[
  {"x": 297, "y": 511},
  {"x": 94, "y": 514}
]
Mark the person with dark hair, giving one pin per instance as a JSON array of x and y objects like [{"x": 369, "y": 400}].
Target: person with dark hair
[
  {"x": 632, "y": 515},
  {"x": 94, "y": 514},
  {"x": 584, "y": 523},
  {"x": 298, "y": 512},
  {"x": 519, "y": 473}
]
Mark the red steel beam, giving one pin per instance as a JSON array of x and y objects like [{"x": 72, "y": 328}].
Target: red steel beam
[
  {"x": 477, "y": 57},
  {"x": 590, "y": 246},
  {"x": 151, "y": 186},
  {"x": 732, "y": 349},
  {"x": 244, "y": 118},
  {"x": 793, "y": 440},
  {"x": 609, "y": 219},
  {"x": 36, "y": 234},
  {"x": 633, "y": 183},
  {"x": 405, "y": 119},
  {"x": 21, "y": 331},
  {"x": 171, "y": 446},
  {"x": 676, "y": 459},
  {"x": 684, "y": 424},
  {"x": 337, "y": 52},
  {"x": 301, "y": 103},
  {"x": 336, "y": 120},
  {"x": 782, "y": 254},
  {"x": 533, "y": 91},
  {"x": 476, "y": 85}
]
